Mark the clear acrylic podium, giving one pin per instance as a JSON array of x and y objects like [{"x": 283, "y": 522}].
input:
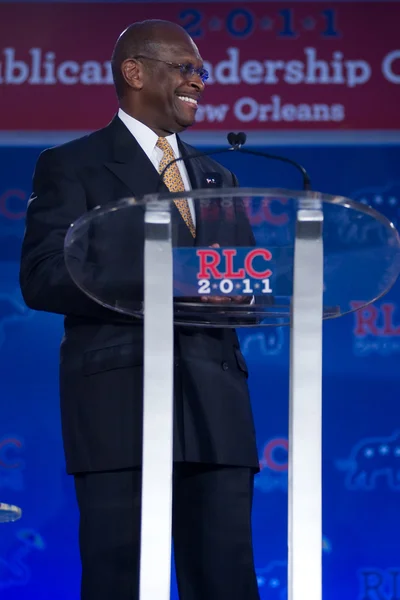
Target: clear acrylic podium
[{"x": 261, "y": 258}]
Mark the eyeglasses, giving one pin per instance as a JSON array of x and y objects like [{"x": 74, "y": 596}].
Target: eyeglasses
[{"x": 186, "y": 69}]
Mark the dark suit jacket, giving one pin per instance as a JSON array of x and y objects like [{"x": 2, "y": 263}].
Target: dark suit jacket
[{"x": 101, "y": 366}]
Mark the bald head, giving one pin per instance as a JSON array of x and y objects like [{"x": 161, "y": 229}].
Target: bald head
[
  {"x": 158, "y": 75},
  {"x": 144, "y": 38}
]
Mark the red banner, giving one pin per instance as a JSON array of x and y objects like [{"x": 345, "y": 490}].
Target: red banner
[{"x": 273, "y": 66}]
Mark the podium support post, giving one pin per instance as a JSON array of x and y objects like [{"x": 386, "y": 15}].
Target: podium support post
[
  {"x": 305, "y": 410},
  {"x": 156, "y": 524}
]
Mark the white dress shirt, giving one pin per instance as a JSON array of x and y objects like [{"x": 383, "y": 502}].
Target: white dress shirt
[{"x": 147, "y": 140}]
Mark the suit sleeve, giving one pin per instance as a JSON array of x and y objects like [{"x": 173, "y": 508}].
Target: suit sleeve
[{"x": 57, "y": 200}]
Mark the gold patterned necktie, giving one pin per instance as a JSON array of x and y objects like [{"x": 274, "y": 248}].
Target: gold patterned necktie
[{"x": 174, "y": 182}]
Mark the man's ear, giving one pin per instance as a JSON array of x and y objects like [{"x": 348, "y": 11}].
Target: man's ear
[{"x": 131, "y": 71}]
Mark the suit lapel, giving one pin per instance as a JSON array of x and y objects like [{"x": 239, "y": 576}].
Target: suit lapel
[
  {"x": 193, "y": 166},
  {"x": 132, "y": 166},
  {"x": 207, "y": 221},
  {"x": 130, "y": 163}
]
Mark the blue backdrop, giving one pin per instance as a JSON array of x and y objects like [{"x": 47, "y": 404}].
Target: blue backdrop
[{"x": 39, "y": 554}]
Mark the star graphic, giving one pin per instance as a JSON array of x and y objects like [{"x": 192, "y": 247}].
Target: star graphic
[
  {"x": 266, "y": 23},
  {"x": 397, "y": 451},
  {"x": 257, "y": 285},
  {"x": 383, "y": 450},
  {"x": 368, "y": 452},
  {"x": 309, "y": 23},
  {"x": 215, "y": 24}
]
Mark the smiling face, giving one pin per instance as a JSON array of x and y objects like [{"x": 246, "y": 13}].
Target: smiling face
[{"x": 159, "y": 94}]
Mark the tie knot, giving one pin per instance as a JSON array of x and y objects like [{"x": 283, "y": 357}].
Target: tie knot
[{"x": 165, "y": 146}]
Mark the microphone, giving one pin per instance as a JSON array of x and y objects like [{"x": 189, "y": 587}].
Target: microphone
[{"x": 236, "y": 141}]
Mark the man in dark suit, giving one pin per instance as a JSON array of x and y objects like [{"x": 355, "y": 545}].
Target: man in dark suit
[{"x": 159, "y": 78}]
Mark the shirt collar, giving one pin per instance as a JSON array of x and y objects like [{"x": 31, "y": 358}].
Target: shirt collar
[{"x": 145, "y": 136}]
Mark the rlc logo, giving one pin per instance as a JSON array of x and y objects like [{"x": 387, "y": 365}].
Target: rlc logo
[
  {"x": 265, "y": 212},
  {"x": 11, "y": 463},
  {"x": 376, "y": 584},
  {"x": 210, "y": 260},
  {"x": 375, "y": 330},
  {"x": 273, "y": 466},
  {"x": 268, "y": 210},
  {"x": 13, "y": 204},
  {"x": 234, "y": 271},
  {"x": 373, "y": 461},
  {"x": 9, "y": 451}
]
